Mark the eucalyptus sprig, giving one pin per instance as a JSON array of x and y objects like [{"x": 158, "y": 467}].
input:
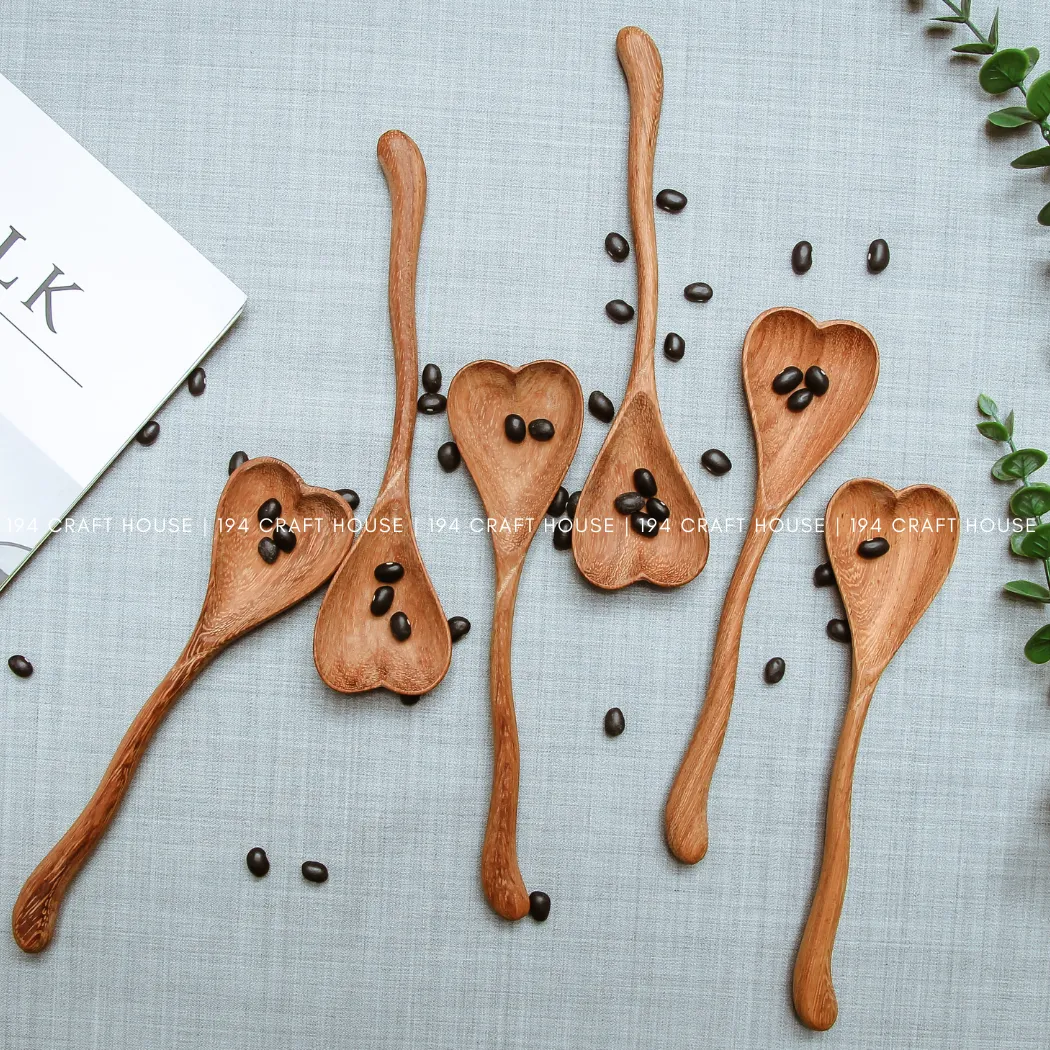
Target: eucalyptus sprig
[
  {"x": 1007, "y": 69},
  {"x": 1030, "y": 500}
]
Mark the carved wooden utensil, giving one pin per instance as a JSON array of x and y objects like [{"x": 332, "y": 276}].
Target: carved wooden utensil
[
  {"x": 790, "y": 446},
  {"x": 884, "y": 599},
  {"x": 243, "y": 592},
  {"x": 516, "y": 483},
  {"x": 355, "y": 651},
  {"x": 676, "y": 554}
]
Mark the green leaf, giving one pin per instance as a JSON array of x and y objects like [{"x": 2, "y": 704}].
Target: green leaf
[
  {"x": 1044, "y": 215},
  {"x": 1032, "y": 591},
  {"x": 1011, "y": 117},
  {"x": 974, "y": 49},
  {"x": 1038, "y": 101},
  {"x": 956, "y": 19},
  {"x": 1017, "y": 543},
  {"x": 1031, "y": 501},
  {"x": 992, "y": 428},
  {"x": 1038, "y": 648},
  {"x": 1009, "y": 423},
  {"x": 1036, "y": 158},
  {"x": 1036, "y": 544},
  {"x": 1019, "y": 464},
  {"x": 986, "y": 406},
  {"x": 1033, "y": 55},
  {"x": 993, "y": 33},
  {"x": 964, "y": 8},
  {"x": 1004, "y": 70}
]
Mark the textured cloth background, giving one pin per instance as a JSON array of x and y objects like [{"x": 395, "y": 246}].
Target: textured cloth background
[{"x": 252, "y": 128}]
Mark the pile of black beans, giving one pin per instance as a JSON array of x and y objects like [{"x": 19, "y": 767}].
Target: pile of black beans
[
  {"x": 387, "y": 573},
  {"x": 516, "y": 430},
  {"x": 816, "y": 385},
  {"x": 430, "y": 402},
  {"x": 563, "y": 510},
  {"x": 282, "y": 538},
  {"x": 647, "y": 513}
]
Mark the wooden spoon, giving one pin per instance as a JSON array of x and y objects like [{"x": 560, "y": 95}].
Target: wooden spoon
[
  {"x": 790, "y": 446},
  {"x": 516, "y": 483},
  {"x": 884, "y": 599},
  {"x": 616, "y": 557},
  {"x": 355, "y": 651},
  {"x": 243, "y": 592}
]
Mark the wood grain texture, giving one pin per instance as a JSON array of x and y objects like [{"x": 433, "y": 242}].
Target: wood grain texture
[
  {"x": 516, "y": 483},
  {"x": 789, "y": 446},
  {"x": 617, "y": 557},
  {"x": 355, "y": 651},
  {"x": 243, "y": 592},
  {"x": 884, "y": 599}
]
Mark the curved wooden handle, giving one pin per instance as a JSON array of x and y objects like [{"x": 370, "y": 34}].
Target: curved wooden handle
[
  {"x": 685, "y": 817},
  {"x": 645, "y": 85},
  {"x": 406, "y": 177},
  {"x": 36, "y": 910},
  {"x": 812, "y": 987},
  {"x": 500, "y": 876}
]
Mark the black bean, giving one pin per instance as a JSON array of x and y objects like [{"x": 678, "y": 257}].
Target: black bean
[
  {"x": 614, "y": 722},
  {"x": 671, "y": 200},
  {"x": 656, "y": 508},
  {"x": 382, "y": 600},
  {"x": 716, "y": 462},
  {"x": 284, "y": 538},
  {"x": 449, "y": 457},
  {"x": 389, "y": 571},
  {"x": 400, "y": 626},
  {"x": 149, "y": 433},
  {"x": 558, "y": 504},
  {"x": 698, "y": 292},
  {"x": 410, "y": 700},
  {"x": 258, "y": 862},
  {"x": 619, "y": 311},
  {"x": 314, "y": 871},
  {"x": 674, "y": 347},
  {"x": 539, "y": 905},
  {"x": 563, "y": 535},
  {"x": 787, "y": 380},
  {"x": 823, "y": 576},
  {"x": 574, "y": 499},
  {"x": 197, "y": 381},
  {"x": 238, "y": 459},
  {"x": 838, "y": 630},
  {"x": 629, "y": 502},
  {"x": 644, "y": 482},
  {"x": 431, "y": 379},
  {"x": 817, "y": 380},
  {"x": 458, "y": 627},
  {"x": 541, "y": 429},
  {"x": 268, "y": 550},
  {"x": 601, "y": 407},
  {"x": 617, "y": 247},
  {"x": 774, "y": 670},
  {"x": 644, "y": 525},
  {"x": 21, "y": 666},
  {"x": 514, "y": 428},
  {"x": 799, "y": 399},
  {"x": 878, "y": 256},
  {"x": 874, "y": 548},
  {"x": 269, "y": 512},
  {"x": 802, "y": 257},
  {"x": 431, "y": 404},
  {"x": 350, "y": 496}
]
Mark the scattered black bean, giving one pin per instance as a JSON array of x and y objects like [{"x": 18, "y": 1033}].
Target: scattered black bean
[
  {"x": 389, "y": 571},
  {"x": 21, "y": 666},
  {"x": 824, "y": 576},
  {"x": 671, "y": 200},
  {"x": 458, "y": 627},
  {"x": 449, "y": 457},
  {"x": 644, "y": 482},
  {"x": 314, "y": 871},
  {"x": 400, "y": 626},
  {"x": 197, "y": 381},
  {"x": 629, "y": 502},
  {"x": 514, "y": 428},
  {"x": 716, "y": 462},
  {"x": 874, "y": 548},
  {"x": 656, "y": 508},
  {"x": 619, "y": 311},
  {"x": 774, "y": 670},
  {"x": 799, "y": 399},
  {"x": 601, "y": 407},
  {"x": 617, "y": 247},
  {"x": 410, "y": 700},
  {"x": 817, "y": 380},
  {"x": 787, "y": 380},
  {"x": 563, "y": 535},
  {"x": 674, "y": 347},
  {"x": 802, "y": 257},
  {"x": 431, "y": 404},
  {"x": 878, "y": 256},
  {"x": 238, "y": 459},
  {"x": 268, "y": 550},
  {"x": 149, "y": 433},
  {"x": 838, "y": 630},
  {"x": 350, "y": 496},
  {"x": 258, "y": 862},
  {"x": 558, "y": 504},
  {"x": 431, "y": 379},
  {"x": 269, "y": 512},
  {"x": 541, "y": 429},
  {"x": 382, "y": 600},
  {"x": 698, "y": 292},
  {"x": 574, "y": 499},
  {"x": 644, "y": 525},
  {"x": 614, "y": 722},
  {"x": 539, "y": 905},
  {"x": 284, "y": 538}
]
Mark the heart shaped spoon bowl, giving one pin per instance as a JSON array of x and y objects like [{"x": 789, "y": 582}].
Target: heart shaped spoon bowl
[
  {"x": 516, "y": 483},
  {"x": 885, "y": 597},
  {"x": 243, "y": 591}
]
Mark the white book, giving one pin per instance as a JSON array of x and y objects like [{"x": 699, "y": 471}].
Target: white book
[{"x": 104, "y": 311}]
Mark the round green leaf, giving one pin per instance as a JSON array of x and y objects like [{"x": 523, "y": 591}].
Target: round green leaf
[
  {"x": 1044, "y": 215},
  {"x": 986, "y": 406},
  {"x": 1038, "y": 648},
  {"x": 1017, "y": 543},
  {"x": 1004, "y": 70},
  {"x": 1024, "y": 589},
  {"x": 992, "y": 428},
  {"x": 1011, "y": 117},
  {"x": 1036, "y": 544},
  {"x": 1036, "y": 158},
  {"x": 1019, "y": 464},
  {"x": 1039, "y": 97},
  {"x": 1033, "y": 55},
  {"x": 1031, "y": 501}
]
